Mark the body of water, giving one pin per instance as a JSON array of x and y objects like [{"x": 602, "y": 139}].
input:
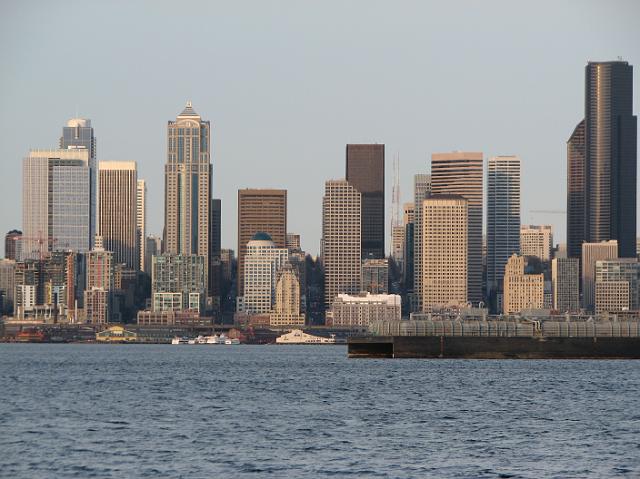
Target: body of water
[{"x": 129, "y": 411}]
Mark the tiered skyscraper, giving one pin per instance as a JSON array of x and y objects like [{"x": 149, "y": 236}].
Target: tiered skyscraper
[
  {"x": 460, "y": 173},
  {"x": 602, "y": 162},
  {"x": 78, "y": 134},
  {"x": 188, "y": 175},
  {"x": 365, "y": 172}
]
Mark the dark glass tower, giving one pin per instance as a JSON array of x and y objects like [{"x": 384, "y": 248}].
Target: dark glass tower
[
  {"x": 610, "y": 160},
  {"x": 576, "y": 232},
  {"x": 365, "y": 172}
]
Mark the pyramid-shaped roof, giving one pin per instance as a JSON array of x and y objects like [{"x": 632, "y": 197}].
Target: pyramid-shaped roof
[{"x": 188, "y": 110}]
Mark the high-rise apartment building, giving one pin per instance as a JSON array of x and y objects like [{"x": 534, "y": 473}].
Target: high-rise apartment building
[
  {"x": 565, "y": 284},
  {"x": 521, "y": 291},
  {"x": 78, "y": 134},
  {"x": 592, "y": 252},
  {"x": 263, "y": 260},
  {"x": 55, "y": 202},
  {"x": 617, "y": 285},
  {"x": 536, "y": 241},
  {"x": 444, "y": 252},
  {"x": 141, "y": 222},
  {"x": 341, "y": 243},
  {"x": 602, "y": 162},
  {"x": 100, "y": 283},
  {"x": 178, "y": 282},
  {"x": 188, "y": 175},
  {"x": 117, "y": 211},
  {"x": 461, "y": 173},
  {"x": 260, "y": 210},
  {"x": 365, "y": 172},
  {"x": 503, "y": 216},
  {"x": 421, "y": 191},
  {"x": 12, "y": 245}
]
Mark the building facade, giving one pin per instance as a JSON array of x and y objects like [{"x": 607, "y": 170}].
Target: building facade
[
  {"x": 565, "y": 284},
  {"x": 12, "y": 245},
  {"x": 341, "y": 243},
  {"x": 141, "y": 223},
  {"x": 591, "y": 253},
  {"x": 118, "y": 211},
  {"x": 55, "y": 202},
  {"x": 602, "y": 161},
  {"x": 188, "y": 174},
  {"x": 286, "y": 310},
  {"x": 263, "y": 260},
  {"x": 421, "y": 191},
  {"x": 178, "y": 282},
  {"x": 503, "y": 216},
  {"x": 362, "y": 310},
  {"x": 536, "y": 241},
  {"x": 461, "y": 173},
  {"x": 365, "y": 172},
  {"x": 78, "y": 134},
  {"x": 617, "y": 285},
  {"x": 444, "y": 252},
  {"x": 521, "y": 291},
  {"x": 375, "y": 276},
  {"x": 260, "y": 210}
]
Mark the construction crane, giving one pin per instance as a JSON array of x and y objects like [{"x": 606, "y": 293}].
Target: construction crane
[{"x": 44, "y": 243}]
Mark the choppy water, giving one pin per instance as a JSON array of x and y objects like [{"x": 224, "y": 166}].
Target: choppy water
[{"x": 308, "y": 412}]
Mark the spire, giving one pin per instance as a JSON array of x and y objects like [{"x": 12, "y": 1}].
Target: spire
[{"x": 188, "y": 110}]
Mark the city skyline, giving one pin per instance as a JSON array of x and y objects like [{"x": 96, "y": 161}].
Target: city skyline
[{"x": 249, "y": 150}]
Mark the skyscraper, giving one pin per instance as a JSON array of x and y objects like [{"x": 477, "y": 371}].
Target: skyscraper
[
  {"x": 12, "y": 249},
  {"x": 444, "y": 252},
  {"x": 503, "y": 216},
  {"x": 188, "y": 175},
  {"x": 421, "y": 191},
  {"x": 286, "y": 308},
  {"x": 460, "y": 173},
  {"x": 365, "y": 172},
  {"x": 141, "y": 222},
  {"x": 78, "y": 134},
  {"x": 260, "y": 210},
  {"x": 55, "y": 202},
  {"x": 117, "y": 211},
  {"x": 602, "y": 161},
  {"x": 341, "y": 243},
  {"x": 576, "y": 191},
  {"x": 215, "y": 265},
  {"x": 521, "y": 291}
]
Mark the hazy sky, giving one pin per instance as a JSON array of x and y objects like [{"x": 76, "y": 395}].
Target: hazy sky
[{"x": 286, "y": 84}]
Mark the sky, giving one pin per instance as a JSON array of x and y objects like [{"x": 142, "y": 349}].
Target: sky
[{"x": 287, "y": 84}]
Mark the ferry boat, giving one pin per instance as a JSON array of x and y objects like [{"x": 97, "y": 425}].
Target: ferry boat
[
  {"x": 297, "y": 336},
  {"x": 215, "y": 339}
]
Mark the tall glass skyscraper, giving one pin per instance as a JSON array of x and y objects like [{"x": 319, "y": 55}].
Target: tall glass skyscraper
[
  {"x": 188, "y": 173},
  {"x": 56, "y": 202},
  {"x": 78, "y": 134},
  {"x": 602, "y": 162},
  {"x": 503, "y": 216}
]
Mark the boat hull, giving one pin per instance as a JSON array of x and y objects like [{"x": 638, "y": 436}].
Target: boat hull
[{"x": 474, "y": 347}]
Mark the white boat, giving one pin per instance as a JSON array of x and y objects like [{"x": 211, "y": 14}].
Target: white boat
[
  {"x": 228, "y": 341},
  {"x": 297, "y": 336},
  {"x": 235, "y": 341},
  {"x": 178, "y": 340},
  {"x": 211, "y": 339}
]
